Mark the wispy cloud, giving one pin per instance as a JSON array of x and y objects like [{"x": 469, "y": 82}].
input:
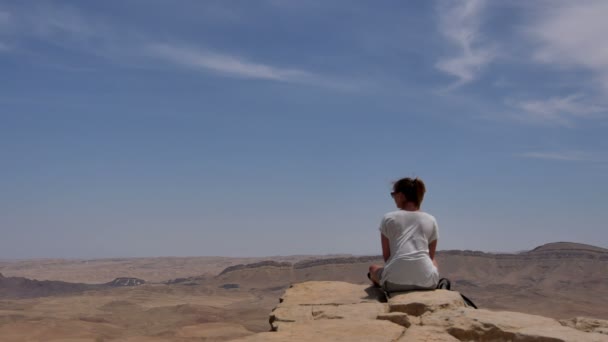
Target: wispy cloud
[
  {"x": 459, "y": 23},
  {"x": 79, "y": 31},
  {"x": 565, "y": 156},
  {"x": 225, "y": 64},
  {"x": 572, "y": 34},
  {"x": 556, "y": 110},
  {"x": 59, "y": 25},
  {"x": 234, "y": 66}
]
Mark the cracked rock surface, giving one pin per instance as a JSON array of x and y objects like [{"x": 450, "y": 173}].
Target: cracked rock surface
[{"x": 338, "y": 311}]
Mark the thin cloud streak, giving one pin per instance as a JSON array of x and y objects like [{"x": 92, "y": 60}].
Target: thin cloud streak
[
  {"x": 238, "y": 67},
  {"x": 459, "y": 23},
  {"x": 225, "y": 64},
  {"x": 75, "y": 30},
  {"x": 556, "y": 110}
]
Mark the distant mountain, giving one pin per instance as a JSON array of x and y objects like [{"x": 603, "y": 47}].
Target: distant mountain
[
  {"x": 555, "y": 250},
  {"x": 570, "y": 248},
  {"x": 19, "y": 287},
  {"x": 559, "y": 279},
  {"x": 256, "y": 265}
]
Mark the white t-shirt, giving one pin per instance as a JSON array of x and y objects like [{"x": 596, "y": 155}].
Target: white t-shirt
[{"x": 409, "y": 234}]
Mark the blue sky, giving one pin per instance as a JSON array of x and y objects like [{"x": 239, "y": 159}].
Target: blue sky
[{"x": 234, "y": 128}]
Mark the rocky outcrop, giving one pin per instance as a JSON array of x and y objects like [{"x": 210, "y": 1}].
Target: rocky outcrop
[
  {"x": 267, "y": 263},
  {"x": 187, "y": 281},
  {"x": 338, "y": 311},
  {"x": 336, "y": 261},
  {"x": 126, "y": 281},
  {"x": 191, "y": 281},
  {"x": 587, "y": 324},
  {"x": 19, "y": 287}
]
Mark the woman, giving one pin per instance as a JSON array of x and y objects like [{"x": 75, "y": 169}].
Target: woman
[{"x": 409, "y": 240}]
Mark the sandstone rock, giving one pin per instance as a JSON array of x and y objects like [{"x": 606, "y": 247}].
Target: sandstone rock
[
  {"x": 362, "y": 311},
  {"x": 332, "y": 330},
  {"x": 587, "y": 324},
  {"x": 288, "y": 314},
  {"x": 396, "y": 317},
  {"x": 427, "y": 334},
  {"x": 418, "y": 302},
  {"x": 348, "y": 302},
  {"x": 337, "y": 311},
  {"x": 483, "y": 325},
  {"x": 330, "y": 292}
]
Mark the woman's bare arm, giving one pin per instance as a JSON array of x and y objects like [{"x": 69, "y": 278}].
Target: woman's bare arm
[
  {"x": 386, "y": 248},
  {"x": 432, "y": 248}
]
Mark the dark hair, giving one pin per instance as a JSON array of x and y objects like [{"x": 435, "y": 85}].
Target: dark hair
[{"x": 412, "y": 189}]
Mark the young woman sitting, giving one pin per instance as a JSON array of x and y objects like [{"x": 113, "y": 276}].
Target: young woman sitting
[{"x": 409, "y": 240}]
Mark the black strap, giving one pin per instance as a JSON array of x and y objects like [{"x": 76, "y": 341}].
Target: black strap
[
  {"x": 468, "y": 301},
  {"x": 444, "y": 284}
]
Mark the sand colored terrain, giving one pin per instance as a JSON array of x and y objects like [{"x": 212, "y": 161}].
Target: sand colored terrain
[
  {"x": 158, "y": 269},
  {"x": 212, "y": 304},
  {"x": 157, "y": 311},
  {"x": 555, "y": 280}
]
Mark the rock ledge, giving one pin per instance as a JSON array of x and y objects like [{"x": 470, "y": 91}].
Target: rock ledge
[{"x": 338, "y": 311}]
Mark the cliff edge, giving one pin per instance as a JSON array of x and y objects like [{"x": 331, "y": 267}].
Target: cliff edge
[{"x": 339, "y": 311}]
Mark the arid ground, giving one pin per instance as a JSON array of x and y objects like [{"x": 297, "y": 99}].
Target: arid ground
[{"x": 216, "y": 299}]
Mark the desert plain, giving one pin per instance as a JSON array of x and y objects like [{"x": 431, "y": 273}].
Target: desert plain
[{"x": 219, "y": 299}]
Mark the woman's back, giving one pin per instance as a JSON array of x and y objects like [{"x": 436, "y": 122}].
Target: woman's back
[{"x": 409, "y": 234}]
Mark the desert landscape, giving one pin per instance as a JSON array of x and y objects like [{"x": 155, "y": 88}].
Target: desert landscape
[{"x": 218, "y": 299}]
